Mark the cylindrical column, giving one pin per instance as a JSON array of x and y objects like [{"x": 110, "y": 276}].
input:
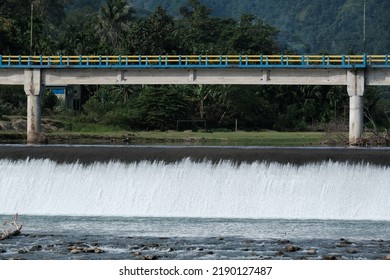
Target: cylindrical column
[
  {"x": 356, "y": 110},
  {"x": 33, "y": 118},
  {"x": 33, "y": 88},
  {"x": 355, "y": 87}
]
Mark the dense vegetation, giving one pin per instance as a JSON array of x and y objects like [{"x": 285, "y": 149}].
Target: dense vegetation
[
  {"x": 334, "y": 26},
  {"x": 116, "y": 27}
]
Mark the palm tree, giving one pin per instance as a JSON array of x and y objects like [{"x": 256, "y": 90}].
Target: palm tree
[{"x": 114, "y": 21}]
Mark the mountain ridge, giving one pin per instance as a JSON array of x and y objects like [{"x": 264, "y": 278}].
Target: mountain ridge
[{"x": 332, "y": 26}]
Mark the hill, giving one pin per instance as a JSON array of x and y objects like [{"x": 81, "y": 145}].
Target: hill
[{"x": 332, "y": 26}]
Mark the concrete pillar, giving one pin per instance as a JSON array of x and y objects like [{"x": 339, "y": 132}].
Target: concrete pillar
[
  {"x": 33, "y": 89},
  {"x": 355, "y": 87}
]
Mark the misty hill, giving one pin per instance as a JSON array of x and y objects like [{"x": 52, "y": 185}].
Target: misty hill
[{"x": 332, "y": 26}]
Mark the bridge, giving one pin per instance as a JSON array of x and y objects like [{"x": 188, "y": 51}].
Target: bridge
[{"x": 354, "y": 71}]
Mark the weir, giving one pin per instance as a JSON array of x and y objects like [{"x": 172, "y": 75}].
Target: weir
[
  {"x": 354, "y": 71},
  {"x": 327, "y": 190}
]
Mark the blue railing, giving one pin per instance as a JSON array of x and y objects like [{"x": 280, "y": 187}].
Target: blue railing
[{"x": 195, "y": 61}]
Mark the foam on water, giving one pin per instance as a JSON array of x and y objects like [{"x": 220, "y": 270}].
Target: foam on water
[{"x": 187, "y": 189}]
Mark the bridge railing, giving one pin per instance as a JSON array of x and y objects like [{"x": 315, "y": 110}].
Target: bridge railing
[{"x": 194, "y": 61}]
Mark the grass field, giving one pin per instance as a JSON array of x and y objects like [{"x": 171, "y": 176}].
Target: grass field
[
  {"x": 81, "y": 133},
  {"x": 237, "y": 138}
]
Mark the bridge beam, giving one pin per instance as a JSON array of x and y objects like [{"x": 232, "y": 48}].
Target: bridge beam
[
  {"x": 355, "y": 88},
  {"x": 33, "y": 88}
]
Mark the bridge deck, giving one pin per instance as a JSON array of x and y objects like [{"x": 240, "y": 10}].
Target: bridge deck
[{"x": 196, "y": 61}]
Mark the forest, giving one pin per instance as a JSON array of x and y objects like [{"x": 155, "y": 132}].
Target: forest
[
  {"x": 73, "y": 27},
  {"x": 333, "y": 26}
]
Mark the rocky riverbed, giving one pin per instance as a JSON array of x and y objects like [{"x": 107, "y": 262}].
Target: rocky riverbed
[{"x": 62, "y": 247}]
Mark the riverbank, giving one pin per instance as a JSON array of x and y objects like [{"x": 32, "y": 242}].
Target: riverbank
[
  {"x": 57, "y": 132},
  {"x": 240, "y": 138},
  {"x": 13, "y": 131}
]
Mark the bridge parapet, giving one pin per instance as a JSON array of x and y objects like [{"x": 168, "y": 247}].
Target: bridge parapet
[{"x": 196, "y": 61}]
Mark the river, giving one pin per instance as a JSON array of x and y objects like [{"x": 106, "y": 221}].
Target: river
[{"x": 196, "y": 203}]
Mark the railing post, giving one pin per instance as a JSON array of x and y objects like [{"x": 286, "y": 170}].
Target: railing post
[
  {"x": 343, "y": 60},
  {"x": 200, "y": 60},
  {"x": 60, "y": 60},
  {"x": 159, "y": 60},
  {"x": 20, "y": 60},
  {"x": 365, "y": 60},
  {"x": 100, "y": 60},
  {"x": 386, "y": 59},
  {"x": 220, "y": 60},
  {"x": 41, "y": 59},
  {"x": 120, "y": 60},
  {"x": 179, "y": 60},
  {"x": 1, "y": 60}
]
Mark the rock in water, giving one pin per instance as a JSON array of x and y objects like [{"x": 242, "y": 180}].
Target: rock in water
[{"x": 292, "y": 248}]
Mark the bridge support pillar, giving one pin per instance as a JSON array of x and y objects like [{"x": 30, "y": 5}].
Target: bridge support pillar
[
  {"x": 33, "y": 89},
  {"x": 355, "y": 87}
]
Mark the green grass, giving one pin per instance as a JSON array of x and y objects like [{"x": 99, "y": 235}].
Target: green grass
[
  {"x": 238, "y": 138},
  {"x": 183, "y": 138},
  {"x": 95, "y": 128},
  {"x": 72, "y": 132}
]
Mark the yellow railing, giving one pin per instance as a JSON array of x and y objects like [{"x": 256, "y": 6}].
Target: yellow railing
[{"x": 203, "y": 60}]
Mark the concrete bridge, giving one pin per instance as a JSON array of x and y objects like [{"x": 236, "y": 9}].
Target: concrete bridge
[{"x": 354, "y": 71}]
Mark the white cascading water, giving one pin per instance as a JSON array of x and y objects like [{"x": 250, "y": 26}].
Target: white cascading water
[{"x": 188, "y": 189}]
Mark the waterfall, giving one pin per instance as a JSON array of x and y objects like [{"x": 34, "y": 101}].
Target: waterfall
[{"x": 328, "y": 190}]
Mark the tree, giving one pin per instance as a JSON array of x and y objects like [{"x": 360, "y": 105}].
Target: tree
[
  {"x": 198, "y": 29},
  {"x": 253, "y": 36},
  {"x": 155, "y": 34},
  {"x": 49, "y": 100},
  {"x": 14, "y": 26},
  {"x": 161, "y": 107},
  {"x": 114, "y": 22},
  {"x": 78, "y": 33}
]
